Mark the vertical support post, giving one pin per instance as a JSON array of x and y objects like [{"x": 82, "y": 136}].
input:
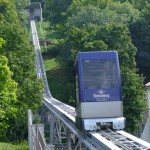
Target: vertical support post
[
  {"x": 50, "y": 147},
  {"x": 30, "y": 129},
  {"x": 51, "y": 134},
  {"x": 41, "y": 128},
  {"x": 68, "y": 139},
  {"x": 41, "y": 32},
  {"x": 45, "y": 45},
  {"x": 34, "y": 137}
]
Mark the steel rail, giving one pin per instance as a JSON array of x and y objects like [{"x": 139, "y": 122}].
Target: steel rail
[
  {"x": 95, "y": 138},
  {"x": 120, "y": 139},
  {"x": 114, "y": 139},
  {"x": 108, "y": 136},
  {"x": 91, "y": 144},
  {"x": 123, "y": 141}
]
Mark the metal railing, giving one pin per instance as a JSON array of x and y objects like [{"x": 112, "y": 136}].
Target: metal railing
[{"x": 36, "y": 135}]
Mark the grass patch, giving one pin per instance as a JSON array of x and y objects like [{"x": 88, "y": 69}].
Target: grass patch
[
  {"x": 41, "y": 30},
  {"x": 57, "y": 80},
  {"x": 50, "y": 64},
  {"x": 45, "y": 34},
  {"x": 8, "y": 146},
  {"x": 52, "y": 36}
]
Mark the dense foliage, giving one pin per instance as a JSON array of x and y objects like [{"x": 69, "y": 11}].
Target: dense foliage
[
  {"x": 20, "y": 5},
  {"x": 8, "y": 96},
  {"x": 21, "y": 61},
  {"x": 141, "y": 38},
  {"x": 54, "y": 9},
  {"x": 105, "y": 25},
  {"x": 99, "y": 25}
]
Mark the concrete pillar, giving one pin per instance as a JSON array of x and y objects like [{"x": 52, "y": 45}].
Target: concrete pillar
[
  {"x": 68, "y": 139},
  {"x": 30, "y": 129},
  {"x": 147, "y": 87},
  {"x": 52, "y": 123},
  {"x": 145, "y": 135}
]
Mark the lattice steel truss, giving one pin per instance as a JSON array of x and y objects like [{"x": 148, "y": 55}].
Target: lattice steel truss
[{"x": 59, "y": 134}]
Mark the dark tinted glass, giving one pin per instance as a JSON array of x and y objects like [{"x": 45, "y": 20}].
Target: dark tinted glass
[{"x": 99, "y": 73}]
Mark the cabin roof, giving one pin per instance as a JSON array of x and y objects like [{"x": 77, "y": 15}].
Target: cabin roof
[{"x": 34, "y": 5}]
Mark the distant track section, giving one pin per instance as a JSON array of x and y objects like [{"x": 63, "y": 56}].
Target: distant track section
[
  {"x": 105, "y": 139},
  {"x": 40, "y": 69}
]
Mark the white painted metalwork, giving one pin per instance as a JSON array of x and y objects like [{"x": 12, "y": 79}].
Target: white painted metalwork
[
  {"x": 141, "y": 144},
  {"x": 36, "y": 135},
  {"x": 29, "y": 128},
  {"x": 145, "y": 135},
  {"x": 41, "y": 73},
  {"x": 78, "y": 138},
  {"x": 96, "y": 123}
]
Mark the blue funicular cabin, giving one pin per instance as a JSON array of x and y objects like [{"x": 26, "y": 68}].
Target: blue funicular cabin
[{"x": 98, "y": 90}]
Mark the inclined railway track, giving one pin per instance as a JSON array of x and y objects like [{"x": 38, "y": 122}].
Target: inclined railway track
[
  {"x": 105, "y": 139},
  {"x": 121, "y": 141},
  {"x": 116, "y": 139}
]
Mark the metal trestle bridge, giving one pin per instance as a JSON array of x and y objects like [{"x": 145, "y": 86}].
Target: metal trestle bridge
[{"x": 61, "y": 118}]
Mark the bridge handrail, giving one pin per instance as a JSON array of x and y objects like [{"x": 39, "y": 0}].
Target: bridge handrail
[{"x": 36, "y": 135}]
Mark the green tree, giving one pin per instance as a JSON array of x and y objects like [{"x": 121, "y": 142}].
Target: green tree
[
  {"x": 114, "y": 12},
  {"x": 21, "y": 60},
  {"x": 8, "y": 96},
  {"x": 90, "y": 29},
  {"x": 133, "y": 98},
  {"x": 140, "y": 4},
  {"x": 20, "y": 8},
  {"x": 1, "y": 42},
  {"x": 141, "y": 39},
  {"x": 54, "y": 9}
]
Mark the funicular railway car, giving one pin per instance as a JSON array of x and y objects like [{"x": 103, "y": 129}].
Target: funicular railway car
[{"x": 98, "y": 91}]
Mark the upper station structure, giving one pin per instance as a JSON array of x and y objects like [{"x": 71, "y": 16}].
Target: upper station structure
[{"x": 34, "y": 10}]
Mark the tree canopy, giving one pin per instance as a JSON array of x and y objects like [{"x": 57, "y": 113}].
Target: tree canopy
[
  {"x": 103, "y": 26},
  {"x": 8, "y": 96},
  {"x": 141, "y": 39},
  {"x": 54, "y": 9},
  {"x": 21, "y": 61},
  {"x": 99, "y": 25}
]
